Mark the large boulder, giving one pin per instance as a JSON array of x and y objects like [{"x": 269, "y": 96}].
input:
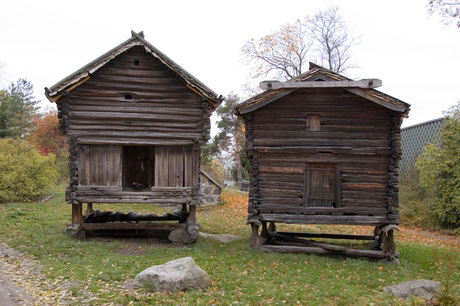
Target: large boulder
[
  {"x": 175, "y": 275},
  {"x": 422, "y": 288}
]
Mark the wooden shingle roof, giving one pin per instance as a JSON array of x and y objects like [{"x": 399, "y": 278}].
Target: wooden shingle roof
[
  {"x": 318, "y": 73},
  {"x": 137, "y": 39}
]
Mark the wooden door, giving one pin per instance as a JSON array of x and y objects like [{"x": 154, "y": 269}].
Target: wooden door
[
  {"x": 138, "y": 162},
  {"x": 322, "y": 185}
]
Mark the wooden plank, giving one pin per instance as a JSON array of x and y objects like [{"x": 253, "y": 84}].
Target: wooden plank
[
  {"x": 161, "y": 166},
  {"x": 137, "y": 198},
  {"x": 132, "y": 226},
  {"x": 364, "y": 83},
  {"x": 83, "y": 164},
  {"x": 196, "y": 152},
  {"x": 372, "y": 97},
  {"x": 271, "y": 206},
  {"x": 315, "y": 250},
  {"x": 266, "y": 101},
  {"x": 93, "y": 169},
  {"x": 325, "y": 219},
  {"x": 144, "y": 108},
  {"x": 331, "y": 236},
  {"x": 188, "y": 166},
  {"x": 326, "y": 246},
  {"x": 133, "y": 141},
  {"x": 139, "y": 134}
]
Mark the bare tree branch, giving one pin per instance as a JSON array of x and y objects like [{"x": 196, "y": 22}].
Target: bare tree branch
[
  {"x": 323, "y": 38},
  {"x": 448, "y": 10}
]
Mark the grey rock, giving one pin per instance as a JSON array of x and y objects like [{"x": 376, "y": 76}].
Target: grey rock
[
  {"x": 207, "y": 189},
  {"x": 185, "y": 236},
  {"x": 422, "y": 288},
  {"x": 175, "y": 275},
  {"x": 385, "y": 261}
]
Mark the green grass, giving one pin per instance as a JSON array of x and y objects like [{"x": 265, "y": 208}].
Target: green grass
[{"x": 97, "y": 269}]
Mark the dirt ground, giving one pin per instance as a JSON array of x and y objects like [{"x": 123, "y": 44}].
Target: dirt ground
[{"x": 12, "y": 290}]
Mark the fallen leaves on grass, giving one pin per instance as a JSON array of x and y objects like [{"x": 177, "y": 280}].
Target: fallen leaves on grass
[{"x": 22, "y": 270}]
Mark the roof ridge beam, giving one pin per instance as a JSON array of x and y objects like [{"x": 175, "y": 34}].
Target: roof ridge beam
[{"x": 364, "y": 83}]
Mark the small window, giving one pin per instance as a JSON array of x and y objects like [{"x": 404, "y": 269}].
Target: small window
[
  {"x": 128, "y": 97},
  {"x": 136, "y": 62},
  {"x": 313, "y": 122}
]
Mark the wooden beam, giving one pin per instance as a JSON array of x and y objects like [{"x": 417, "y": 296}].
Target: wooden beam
[
  {"x": 364, "y": 83},
  {"x": 367, "y": 95},
  {"x": 269, "y": 100},
  {"x": 132, "y": 226},
  {"x": 331, "y": 236},
  {"x": 314, "y": 250},
  {"x": 58, "y": 96}
]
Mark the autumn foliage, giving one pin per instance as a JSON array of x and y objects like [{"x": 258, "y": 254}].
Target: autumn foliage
[
  {"x": 45, "y": 137},
  {"x": 25, "y": 174}
]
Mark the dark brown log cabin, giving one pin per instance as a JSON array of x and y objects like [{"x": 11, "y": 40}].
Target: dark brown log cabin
[
  {"x": 135, "y": 121},
  {"x": 323, "y": 149}
]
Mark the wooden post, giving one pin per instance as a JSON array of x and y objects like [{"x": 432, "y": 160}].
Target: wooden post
[
  {"x": 264, "y": 232},
  {"x": 192, "y": 215},
  {"x": 389, "y": 245},
  {"x": 272, "y": 227},
  {"x": 254, "y": 240},
  {"x": 89, "y": 208},
  {"x": 77, "y": 216}
]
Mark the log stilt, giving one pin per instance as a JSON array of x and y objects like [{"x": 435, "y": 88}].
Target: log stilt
[
  {"x": 89, "y": 208},
  {"x": 389, "y": 245},
  {"x": 264, "y": 232},
  {"x": 191, "y": 219},
  {"x": 75, "y": 228},
  {"x": 77, "y": 216},
  {"x": 254, "y": 241},
  {"x": 190, "y": 233},
  {"x": 272, "y": 227}
]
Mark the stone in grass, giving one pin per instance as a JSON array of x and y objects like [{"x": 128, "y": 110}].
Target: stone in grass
[
  {"x": 186, "y": 235},
  {"x": 425, "y": 289},
  {"x": 175, "y": 275}
]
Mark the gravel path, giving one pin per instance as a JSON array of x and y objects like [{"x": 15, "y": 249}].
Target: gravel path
[{"x": 13, "y": 274}]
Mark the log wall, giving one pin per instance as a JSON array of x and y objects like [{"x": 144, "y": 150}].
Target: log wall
[
  {"x": 134, "y": 99},
  {"x": 358, "y": 136},
  {"x": 134, "y": 115}
]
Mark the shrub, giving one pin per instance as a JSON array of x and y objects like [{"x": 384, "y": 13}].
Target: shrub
[
  {"x": 439, "y": 168},
  {"x": 46, "y": 140},
  {"x": 416, "y": 203},
  {"x": 24, "y": 173}
]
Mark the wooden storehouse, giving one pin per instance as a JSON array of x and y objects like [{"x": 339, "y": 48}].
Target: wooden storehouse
[
  {"x": 323, "y": 149},
  {"x": 135, "y": 121}
]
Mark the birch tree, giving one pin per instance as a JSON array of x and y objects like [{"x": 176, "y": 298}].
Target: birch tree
[{"x": 323, "y": 38}]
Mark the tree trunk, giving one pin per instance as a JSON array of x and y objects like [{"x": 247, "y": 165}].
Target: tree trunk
[{"x": 239, "y": 175}]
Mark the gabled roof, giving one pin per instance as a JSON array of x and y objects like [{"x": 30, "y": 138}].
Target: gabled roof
[
  {"x": 212, "y": 179},
  {"x": 318, "y": 73},
  {"x": 137, "y": 39}
]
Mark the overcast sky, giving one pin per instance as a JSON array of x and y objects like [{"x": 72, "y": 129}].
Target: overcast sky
[{"x": 415, "y": 55}]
